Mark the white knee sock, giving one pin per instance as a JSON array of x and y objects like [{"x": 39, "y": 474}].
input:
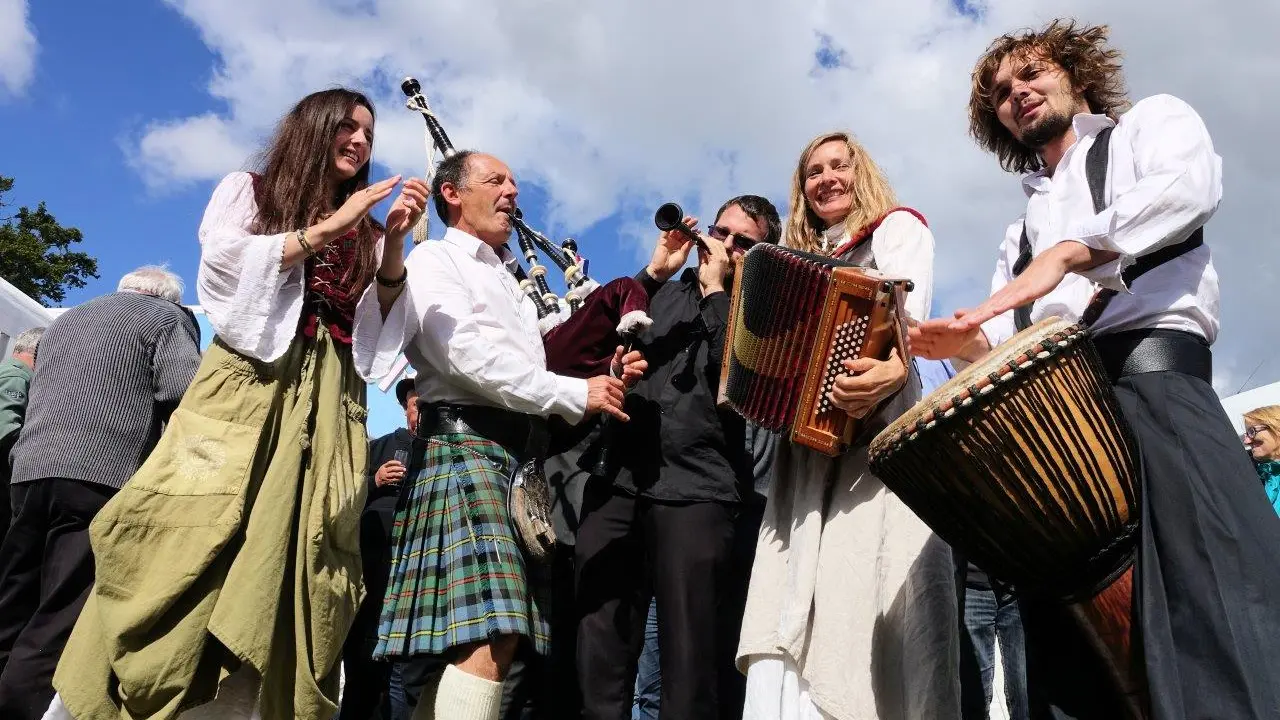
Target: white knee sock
[{"x": 463, "y": 696}]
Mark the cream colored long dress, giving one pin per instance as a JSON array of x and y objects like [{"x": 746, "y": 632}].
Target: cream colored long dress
[{"x": 852, "y": 609}]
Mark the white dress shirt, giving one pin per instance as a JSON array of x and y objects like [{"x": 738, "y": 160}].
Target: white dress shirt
[
  {"x": 1163, "y": 181},
  {"x": 470, "y": 332},
  {"x": 252, "y": 304},
  {"x": 901, "y": 246}
]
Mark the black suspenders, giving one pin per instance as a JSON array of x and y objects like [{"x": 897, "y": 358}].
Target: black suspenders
[{"x": 1095, "y": 169}]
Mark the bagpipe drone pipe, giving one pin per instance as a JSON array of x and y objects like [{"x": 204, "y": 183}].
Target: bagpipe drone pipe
[{"x": 582, "y": 330}]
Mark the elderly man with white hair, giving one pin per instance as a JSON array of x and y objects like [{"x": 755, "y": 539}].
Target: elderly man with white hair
[
  {"x": 15, "y": 379},
  {"x": 110, "y": 373}
]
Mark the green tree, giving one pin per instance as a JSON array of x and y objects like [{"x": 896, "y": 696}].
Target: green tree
[{"x": 36, "y": 255}]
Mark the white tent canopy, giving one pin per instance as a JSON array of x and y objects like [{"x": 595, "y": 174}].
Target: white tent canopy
[
  {"x": 1237, "y": 405},
  {"x": 18, "y": 313}
]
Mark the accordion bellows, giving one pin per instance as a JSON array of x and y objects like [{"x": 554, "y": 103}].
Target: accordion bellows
[{"x": 795, "y": 318}]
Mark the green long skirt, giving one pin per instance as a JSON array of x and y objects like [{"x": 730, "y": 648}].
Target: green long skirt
[{"x": 234, "y": 547}]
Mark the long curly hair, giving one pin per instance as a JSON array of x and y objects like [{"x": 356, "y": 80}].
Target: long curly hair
[
  {"x": 1080, "y": 50},
  {"x": 295, "y": 170},
  {"x": 872, "y": 195}
]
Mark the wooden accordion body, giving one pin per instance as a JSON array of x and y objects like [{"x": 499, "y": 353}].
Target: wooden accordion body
[{"x": 794, "y": 319}]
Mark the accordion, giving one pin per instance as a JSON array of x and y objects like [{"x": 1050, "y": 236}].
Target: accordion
[{"x": 794, "y": 319}]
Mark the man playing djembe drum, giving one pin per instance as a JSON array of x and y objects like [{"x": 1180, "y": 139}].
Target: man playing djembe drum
[{"x": 1207, "y": 586}]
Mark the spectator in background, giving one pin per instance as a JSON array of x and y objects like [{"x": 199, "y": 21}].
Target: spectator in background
[
  {"x": 370, "y": 692},
  {"x": 110, "y": 373},
  {"x": 1262, "y": 437},
  {"x": 15, "y": 378}
]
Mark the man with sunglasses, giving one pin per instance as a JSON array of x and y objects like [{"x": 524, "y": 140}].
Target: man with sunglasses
[{"x": 670, "y": 519}]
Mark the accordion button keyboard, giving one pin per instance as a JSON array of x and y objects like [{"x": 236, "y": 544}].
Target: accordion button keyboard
[{"x": 849, "y": 338}]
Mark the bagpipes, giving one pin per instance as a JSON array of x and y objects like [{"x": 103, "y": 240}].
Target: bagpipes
[{"x": 582, "y": 330}]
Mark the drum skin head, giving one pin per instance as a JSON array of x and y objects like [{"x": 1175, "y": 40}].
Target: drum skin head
[{"x": 976, "y": 375}]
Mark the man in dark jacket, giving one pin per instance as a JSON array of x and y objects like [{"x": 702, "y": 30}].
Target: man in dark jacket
[
  {"x": 666, "y": 521},
  {"x": 109, "y": 374},
  {"x": 368, "y": 693}
]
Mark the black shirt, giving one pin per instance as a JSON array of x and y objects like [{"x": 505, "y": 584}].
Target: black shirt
[{"x": 678, "y": 446}]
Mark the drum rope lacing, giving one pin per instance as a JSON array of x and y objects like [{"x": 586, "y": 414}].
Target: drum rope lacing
[{"x": 1045, "y": 349}]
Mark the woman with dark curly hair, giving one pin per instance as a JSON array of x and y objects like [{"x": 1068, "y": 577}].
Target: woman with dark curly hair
[{"x": 1113, "y": 236}]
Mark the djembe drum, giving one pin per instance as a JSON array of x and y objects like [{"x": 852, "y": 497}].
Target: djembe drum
[{"x": 1024, "y": 463}]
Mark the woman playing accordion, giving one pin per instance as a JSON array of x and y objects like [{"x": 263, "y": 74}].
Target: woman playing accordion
[{"x": 852, "y": 610}]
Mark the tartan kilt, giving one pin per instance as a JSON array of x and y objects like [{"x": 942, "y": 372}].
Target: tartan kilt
[{"x": 457, "y": 575}]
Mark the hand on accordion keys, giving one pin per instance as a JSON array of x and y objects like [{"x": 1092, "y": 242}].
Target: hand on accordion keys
[{"x": 867, "y": 383}]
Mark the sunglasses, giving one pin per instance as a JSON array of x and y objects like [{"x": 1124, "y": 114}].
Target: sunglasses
[{"x": 722, "y": 234}]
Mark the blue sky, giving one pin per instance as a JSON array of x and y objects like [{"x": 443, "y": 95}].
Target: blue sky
[{"x": 103, "y": 68}]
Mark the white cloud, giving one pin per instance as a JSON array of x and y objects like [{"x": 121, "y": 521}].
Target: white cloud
[
  {"x": 172, "y": 154},
  {"x": 614, "y": 107},
  {"x": 17, "y": 47}
]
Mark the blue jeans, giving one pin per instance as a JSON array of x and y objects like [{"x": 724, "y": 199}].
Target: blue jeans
[
  {"x": 648, "y": 672},
  {"x": 988, "y": 618},
  {"x": 400, "y": 709}
]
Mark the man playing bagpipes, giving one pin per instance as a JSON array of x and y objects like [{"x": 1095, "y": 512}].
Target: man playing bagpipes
[
  {"x": 461, "y": 585},
  {"x": 1118, "y": 202}
]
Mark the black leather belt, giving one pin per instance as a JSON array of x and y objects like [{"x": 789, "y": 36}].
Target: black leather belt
[
  {"x": 1149, "y": 350},
  {"x": 524, "y": 436}
]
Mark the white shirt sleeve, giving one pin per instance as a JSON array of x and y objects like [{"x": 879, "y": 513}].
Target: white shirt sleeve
[
  {"x": 377, "y": 342},
  {"x": 251, "y": 304},
  {"x": 903, "y": 246},
  {"x": 459, "y": 339},
  {"x": 1178, "y": 188},
  {"x": 1002, "y": 327}
]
